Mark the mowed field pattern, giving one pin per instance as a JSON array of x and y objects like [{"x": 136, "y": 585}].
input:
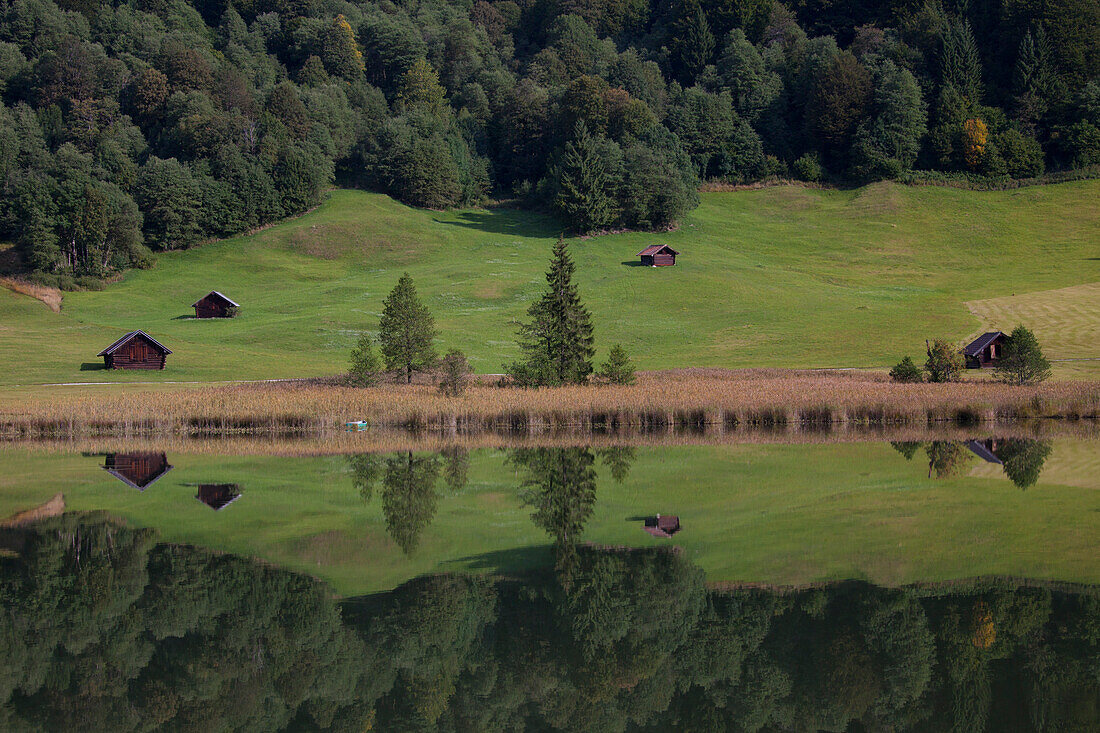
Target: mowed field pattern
[{"x": 785, "y": 276}]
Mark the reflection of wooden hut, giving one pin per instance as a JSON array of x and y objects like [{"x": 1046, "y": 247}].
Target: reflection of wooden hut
[
  {"x": 135, "y": 350},
  {"x": 662, "y": 526},
  {"x": 985, "y": 351},
  {"x": 215, "y": 305},
  {"x": 986, "y": 450},
  {"x": 139, "y": 470},
  {"x": 218, "y": 496}
]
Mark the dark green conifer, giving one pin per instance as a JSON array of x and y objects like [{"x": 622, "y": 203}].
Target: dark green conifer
[
  {"x": 406, "y": 331},
  {"x": 557, "y": 342}
]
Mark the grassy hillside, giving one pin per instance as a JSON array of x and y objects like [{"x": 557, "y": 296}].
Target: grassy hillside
[
  {"x": 775, "y": 277},
  {"x": 749, "y": 512}
]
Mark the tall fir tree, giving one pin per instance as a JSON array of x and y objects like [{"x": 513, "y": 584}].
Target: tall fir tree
[
  {"x": 406, "y": 331},
  {"x": 960, "y": 63},
  {"x": 557, "y": 342},
  {"x": 584, "y": 197}
]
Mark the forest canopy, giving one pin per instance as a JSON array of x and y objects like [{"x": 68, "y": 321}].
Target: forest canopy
[{"x": 149, "y": 125}]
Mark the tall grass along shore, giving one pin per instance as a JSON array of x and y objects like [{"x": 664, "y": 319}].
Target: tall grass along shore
[{"x": 659, "y": 401}]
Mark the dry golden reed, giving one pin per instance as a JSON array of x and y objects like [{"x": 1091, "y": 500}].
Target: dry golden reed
[{"x": 678, "y": 400}]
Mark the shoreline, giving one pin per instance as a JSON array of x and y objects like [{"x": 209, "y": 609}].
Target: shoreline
[{"x": 681, "y": 401}]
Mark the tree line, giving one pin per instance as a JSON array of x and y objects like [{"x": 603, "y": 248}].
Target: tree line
[
  {"x": 132, "y": 126},
  {"x": 105, "y": 628}
]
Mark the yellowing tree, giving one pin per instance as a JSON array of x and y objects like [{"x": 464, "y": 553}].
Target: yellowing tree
[
  {"x": 340, "y": 51},
  {"x": 975, "y": 136},
  {"x": 419, "y": 87}
]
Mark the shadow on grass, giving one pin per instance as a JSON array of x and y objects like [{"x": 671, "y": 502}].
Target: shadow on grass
[
  {"x": 185, "y": 317},
  {"x": 632, "y": 263},
  {"x": 514, "y": 222},
  {"x": 92, "y": 366},
  {"x": 515, "y": 560}
]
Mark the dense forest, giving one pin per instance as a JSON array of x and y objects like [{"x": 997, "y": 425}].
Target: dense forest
[
  {"x": 136, "y": 125},
  {"x": 104, "y": 628}
]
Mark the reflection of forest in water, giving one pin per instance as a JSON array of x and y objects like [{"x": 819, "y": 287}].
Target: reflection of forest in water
[{"x": 105, "y": 629}]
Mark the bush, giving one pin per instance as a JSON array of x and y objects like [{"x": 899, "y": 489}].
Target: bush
[
  {"x": 808, "y": 168},
  {"x": 906, "y": 372},
  {"x": 454, "y": 373},
  {"x": 945, "y": 363},
  {"x": 1022, "y": 155},
  {"x": 365, "y": 368},
  {"x": 1022, "y": 361},
  {"x": 618, "y": 368}
]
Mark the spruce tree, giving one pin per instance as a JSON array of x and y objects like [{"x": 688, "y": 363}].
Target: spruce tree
[
  {"x": 1022, "y": 361},
  {"x": 618, "y": 369},
  {"x": 365, "y": 366},
  {"x": 557, "y": 342},
  {"x": 584, "y": 197},
  {"x": 406, "y": 331}
]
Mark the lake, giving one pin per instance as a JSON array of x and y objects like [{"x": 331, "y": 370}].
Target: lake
[{"x": 931, "y": 584}]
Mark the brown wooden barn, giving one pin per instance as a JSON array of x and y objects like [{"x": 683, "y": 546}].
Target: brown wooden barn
[
  {"x": 138, "y": 470},
  {"x": 985, "y": 351},
  {"x": 664, "y": 527},
  {"x": 658, "y": 255},
  {"x": 135, "y": 350},
  {"x": 215, "y": 305}
]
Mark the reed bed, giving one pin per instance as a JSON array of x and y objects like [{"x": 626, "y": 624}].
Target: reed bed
[
  {"x": 678, "y": 401},
  {"x": 382, "y": 440}
]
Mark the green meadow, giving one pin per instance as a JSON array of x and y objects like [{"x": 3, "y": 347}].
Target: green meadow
[
  {"x": 784, "y": 276},
  {"x": 785, "y": 514}
]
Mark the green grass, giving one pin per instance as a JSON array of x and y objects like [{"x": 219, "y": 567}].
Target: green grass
[
  {"x": 777, "y": 277},
  {"x": 757, "y": 513}
]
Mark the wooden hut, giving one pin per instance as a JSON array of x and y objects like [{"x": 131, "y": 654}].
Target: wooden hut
[
  {"x": 664, "y": 527},
  {"x": 218, "y": 496},
  {"x": 215, "y": 305},
  {"x": 985, "y": 351},
  {"x": 658, "y": 255},
  {"x": 135, "y": 350},
  {"x": 137, "y": 470}
]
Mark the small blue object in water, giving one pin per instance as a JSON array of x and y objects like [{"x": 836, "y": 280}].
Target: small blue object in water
[{"x": 356, "y": 425}]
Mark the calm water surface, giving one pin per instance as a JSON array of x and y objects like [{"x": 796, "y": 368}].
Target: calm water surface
[{"x": 942, "y": 585}]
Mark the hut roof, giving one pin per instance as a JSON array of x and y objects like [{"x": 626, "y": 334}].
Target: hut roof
[
  {"x": 224, "y": 298},
  {"x": 657, "y": 249},
  {"x": 983, "y": 451},
  {"x": 218, "y": 496},
  {"x": 129, "y": 337},
  {"x": 981, "y": 342}
]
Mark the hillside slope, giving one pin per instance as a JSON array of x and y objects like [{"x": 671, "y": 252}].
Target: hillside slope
[{"x": 783, "y": 276}]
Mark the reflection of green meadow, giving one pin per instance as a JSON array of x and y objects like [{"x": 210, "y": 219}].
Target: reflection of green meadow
[{"x": 756, "y": 513}]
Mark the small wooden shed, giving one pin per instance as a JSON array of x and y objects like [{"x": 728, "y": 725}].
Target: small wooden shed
[
  {"x": 137, "y": 470},
  {"x": 985, "y": 351},
  {"x": 664, "y": 527},
  {"x": 135, "y": 350},
  {"x": 215, "y": 305},
  {"x": 658, "y": 255}
]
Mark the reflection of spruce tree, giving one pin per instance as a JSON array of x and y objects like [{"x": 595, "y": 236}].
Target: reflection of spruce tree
[
  {"x": 1023, "y": 459},
  {"x": 618, "y": 459},
  {"x": 561, "y": 486},
  {"x": 409, "y": 497},
  {"x": 907, "y": 448},
  {"x": 456, "y": 467},
  {"x": 366, "y": 469},
  {"x": 946, "y": 458}
]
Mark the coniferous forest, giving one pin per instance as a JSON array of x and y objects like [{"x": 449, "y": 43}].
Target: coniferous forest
[{"x": 135, "y": 126}]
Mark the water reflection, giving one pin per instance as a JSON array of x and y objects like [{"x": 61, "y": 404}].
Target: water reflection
[
  {"x": 1021, "y": 459},
  {"x": 105, "y": 629},
  {"x": 139, "y": 470},
  {"x": 218, "y": 496}
]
